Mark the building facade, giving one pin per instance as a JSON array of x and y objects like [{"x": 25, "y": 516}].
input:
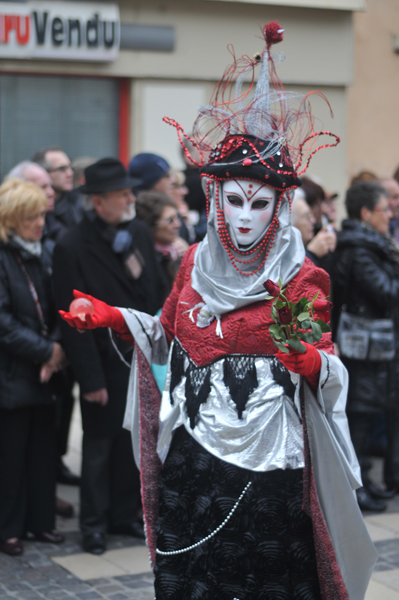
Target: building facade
[
  {"x": 373, "y": 125},
  {"x": 97, "y": 77}
]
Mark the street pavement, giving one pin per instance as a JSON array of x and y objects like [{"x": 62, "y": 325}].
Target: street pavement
[{"x": 64, "y": 572}]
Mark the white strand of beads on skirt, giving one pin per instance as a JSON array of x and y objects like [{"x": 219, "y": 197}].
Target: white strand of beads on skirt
[{"x": 208, "y": 537}]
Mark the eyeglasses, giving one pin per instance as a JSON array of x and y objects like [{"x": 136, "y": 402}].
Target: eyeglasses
[
  {"x": 384, "y": 210},
  {"x": 61, "y": 169},
  {"x": 170, "y": 220}
]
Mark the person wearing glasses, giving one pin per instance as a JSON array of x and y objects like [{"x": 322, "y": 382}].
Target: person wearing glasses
[
  {"x": 392, "y": 187},
  {"x": 68, "y": 209},
  {"x": 159, "y": 212},
  {"x": 111, "y": 255},
  {"x": 365, "y": 283}
]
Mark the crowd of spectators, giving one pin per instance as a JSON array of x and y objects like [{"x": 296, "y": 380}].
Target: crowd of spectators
[
  {"x": 66, "y": 226},
  {"x": 362, "y": 260},
  {"x": 120, "y": 234}
]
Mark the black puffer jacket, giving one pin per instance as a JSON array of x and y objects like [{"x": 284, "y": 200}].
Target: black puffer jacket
[
  {"x": 68, "y": 211},
  {"x": 23, "y": 347},
  {"x": 365, "y": 279}
]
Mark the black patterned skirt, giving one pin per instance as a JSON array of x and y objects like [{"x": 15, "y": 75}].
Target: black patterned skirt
[{"x": 264, "y": 552}]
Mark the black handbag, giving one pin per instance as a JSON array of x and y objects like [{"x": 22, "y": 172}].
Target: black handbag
[
  {"x": 360, "y": 338},
  {"x": 365, "y": 339}
]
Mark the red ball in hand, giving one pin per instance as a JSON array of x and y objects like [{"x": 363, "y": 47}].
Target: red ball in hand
[{"x": 81, "y": 307}]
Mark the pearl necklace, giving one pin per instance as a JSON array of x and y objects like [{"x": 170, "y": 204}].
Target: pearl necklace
[{"x": 214, "y": 532}]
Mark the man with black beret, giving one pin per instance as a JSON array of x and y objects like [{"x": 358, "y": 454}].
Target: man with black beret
[{"x": 111, "y": 256}]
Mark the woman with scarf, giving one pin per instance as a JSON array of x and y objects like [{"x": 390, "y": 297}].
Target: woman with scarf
[
  {"x": 29, "y": 354},
  {"x": 366, "y": 284},
  {"x": 159, "y": 212},
  {"x": 246, "y": 462}
]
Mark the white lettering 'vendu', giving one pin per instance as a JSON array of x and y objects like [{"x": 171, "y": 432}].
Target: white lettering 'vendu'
[{"x": 59, "y": 30}]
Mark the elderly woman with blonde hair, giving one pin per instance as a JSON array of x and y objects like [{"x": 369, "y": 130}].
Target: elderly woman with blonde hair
[{"x": 29, "y": 354}]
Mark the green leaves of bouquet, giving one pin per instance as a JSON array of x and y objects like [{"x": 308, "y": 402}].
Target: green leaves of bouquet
[{"x": 294, "y": 322}]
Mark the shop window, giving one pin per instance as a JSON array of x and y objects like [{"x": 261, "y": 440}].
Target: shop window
[{"x": 79, "y": 114}]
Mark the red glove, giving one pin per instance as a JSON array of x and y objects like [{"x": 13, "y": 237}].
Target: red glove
[
  {"x": 307, "y": 364},
  {"x": 103, "y": 316}
]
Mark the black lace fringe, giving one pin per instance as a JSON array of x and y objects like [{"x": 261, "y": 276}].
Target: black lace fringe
[
  {"x": 241, "y": 379},
  {"x": 282, "y": 377},
  {"x": 198, "y": 387}
]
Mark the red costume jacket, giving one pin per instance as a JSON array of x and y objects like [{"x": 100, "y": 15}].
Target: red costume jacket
[{"x": 245, "y": 330}]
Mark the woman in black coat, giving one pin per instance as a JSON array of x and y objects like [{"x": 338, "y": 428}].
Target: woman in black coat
[
  {"x": 365, "y": 281},
  {"x": 29, "y": 355}
]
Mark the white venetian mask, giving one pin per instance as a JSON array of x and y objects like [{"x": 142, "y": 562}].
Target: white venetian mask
[{"x": 248, "y": 208}]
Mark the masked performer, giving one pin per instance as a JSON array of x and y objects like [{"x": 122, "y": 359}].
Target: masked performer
[{"x": 247, "y": 466}]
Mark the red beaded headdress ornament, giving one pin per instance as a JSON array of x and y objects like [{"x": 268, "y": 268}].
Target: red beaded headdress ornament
[{"x": 266, "y": 135}]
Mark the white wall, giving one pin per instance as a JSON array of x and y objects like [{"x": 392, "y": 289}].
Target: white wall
[{"x": 153, "y": 100}]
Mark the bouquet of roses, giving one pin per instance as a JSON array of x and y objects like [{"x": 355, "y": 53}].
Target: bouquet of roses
[{"x": 294, "y": 322}]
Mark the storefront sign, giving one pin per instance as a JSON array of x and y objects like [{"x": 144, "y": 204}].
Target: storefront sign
[{"x": 59, "y": 30}]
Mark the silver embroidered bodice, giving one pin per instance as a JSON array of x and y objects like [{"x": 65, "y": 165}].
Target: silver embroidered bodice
[{"x": 267, "y": 436}]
